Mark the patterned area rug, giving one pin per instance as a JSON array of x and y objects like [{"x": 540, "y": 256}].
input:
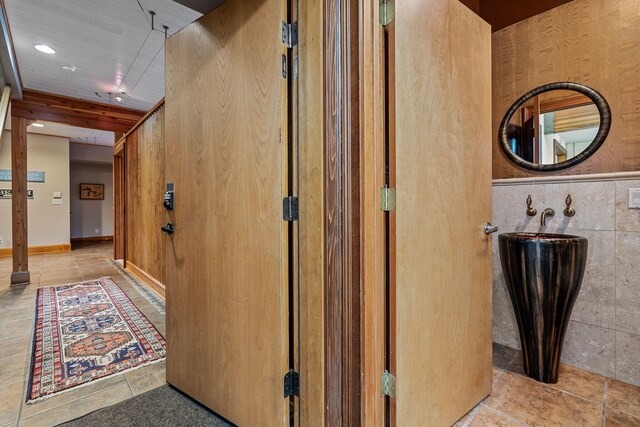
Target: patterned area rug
[{"x": 87, "y": 331}]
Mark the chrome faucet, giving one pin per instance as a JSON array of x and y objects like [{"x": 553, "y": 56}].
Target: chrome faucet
[{"x": 546, "y": 213}]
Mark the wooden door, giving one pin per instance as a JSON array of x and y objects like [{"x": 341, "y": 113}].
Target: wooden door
[
  {"x": 226, "y": 272},
  {"x": 441, "y": 324}
]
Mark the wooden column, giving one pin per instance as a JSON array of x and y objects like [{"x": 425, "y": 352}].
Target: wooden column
[{"x": 20, "y": 275}]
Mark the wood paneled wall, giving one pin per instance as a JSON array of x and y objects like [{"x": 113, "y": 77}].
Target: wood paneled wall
[
  {"x": 593, "y": 42},
  {"x": 144, "y": 157}
]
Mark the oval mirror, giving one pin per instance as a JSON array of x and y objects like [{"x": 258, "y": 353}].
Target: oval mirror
[{"x": 555, "y": 126}]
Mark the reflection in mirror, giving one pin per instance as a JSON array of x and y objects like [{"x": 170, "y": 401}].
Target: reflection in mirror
[
  {"x": 555, "y": 126},
  {"x": 566, "y": 122}
]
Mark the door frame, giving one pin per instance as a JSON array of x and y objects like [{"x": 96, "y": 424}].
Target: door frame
[
  {"x": 342, "y": 222},
  {"x": 119, "y": 200}
]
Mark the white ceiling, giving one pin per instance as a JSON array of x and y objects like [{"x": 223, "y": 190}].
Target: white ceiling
[
  {"x": 102, "y": 39},
  {"x": 75, "y": 134}
]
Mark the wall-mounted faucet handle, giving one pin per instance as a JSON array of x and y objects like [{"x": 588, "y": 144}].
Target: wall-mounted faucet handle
[
  {"x": 530, "y": 211},
  {"x": 569, "y": 211}
]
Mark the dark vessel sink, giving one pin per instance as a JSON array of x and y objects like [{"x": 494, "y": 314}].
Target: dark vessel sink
[{"x": 543, "y": 273}]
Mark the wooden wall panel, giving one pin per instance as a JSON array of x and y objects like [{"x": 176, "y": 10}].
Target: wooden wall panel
[
  {"x": 593, "y": 42},
  {"x": 144, "y": 154}
]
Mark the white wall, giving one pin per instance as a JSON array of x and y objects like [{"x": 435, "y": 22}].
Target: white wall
[
  {"x": 48, "y": 224},
  {"x": 91, "y": 165}
]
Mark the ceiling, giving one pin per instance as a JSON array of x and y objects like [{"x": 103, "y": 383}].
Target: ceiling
[
  {"x": 75, "y": 134},
  {"x": 503, "y": 13},
  {"x": 110, "y": 43}
]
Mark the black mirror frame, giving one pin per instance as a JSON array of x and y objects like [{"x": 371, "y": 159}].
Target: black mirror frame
[{"x": 603, "y": 131}]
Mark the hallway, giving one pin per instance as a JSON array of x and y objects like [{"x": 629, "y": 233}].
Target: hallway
[{"x": 17, "y": 309}]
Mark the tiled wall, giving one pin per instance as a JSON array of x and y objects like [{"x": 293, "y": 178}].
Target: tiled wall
[{"x": 604, "y": 331}]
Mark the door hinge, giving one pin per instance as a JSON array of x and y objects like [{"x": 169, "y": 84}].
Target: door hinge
[
  {"x": 291, "y": 383},
  {"x": 289, "y": 34},
  {"x": 388, "y": 384},
  {"x": 387, "y": 12},
  {"x": 387, "y": 199},
  {"x": 290, "y": 208}
]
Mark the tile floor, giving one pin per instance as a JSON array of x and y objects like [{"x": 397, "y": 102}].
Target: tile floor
[
  {"x": 580, "y": 398},
  {"x": 17, "y": 309}
]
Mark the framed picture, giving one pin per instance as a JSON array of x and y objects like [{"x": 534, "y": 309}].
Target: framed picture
[{"x": 92, "y": 191}]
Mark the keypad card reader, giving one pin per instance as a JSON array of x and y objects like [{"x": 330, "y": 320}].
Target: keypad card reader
[{"x": 168, "y": 196}]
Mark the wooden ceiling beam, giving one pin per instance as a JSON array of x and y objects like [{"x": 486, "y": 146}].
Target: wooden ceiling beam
[{"x": 36, "y": 105}]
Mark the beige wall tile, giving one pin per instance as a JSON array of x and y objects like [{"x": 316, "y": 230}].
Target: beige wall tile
[
  {"x": 628, "y": 282},
  {"x": 505, "y": 330},
  {"x": 590, "y": 347},
  {"x": 626, "y": 219},
  {"x": 628, "y": 358},
  {"x": 596, "y": 301}
]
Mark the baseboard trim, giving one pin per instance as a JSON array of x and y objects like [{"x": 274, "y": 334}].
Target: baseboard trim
[
  {"x": 149, "y": 281},
  {"x": 36, "y": 250},
  {"x": 96, "y": 239}
]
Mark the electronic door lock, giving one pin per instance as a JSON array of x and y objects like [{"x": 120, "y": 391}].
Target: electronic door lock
[{"x": 168, "y": 197}]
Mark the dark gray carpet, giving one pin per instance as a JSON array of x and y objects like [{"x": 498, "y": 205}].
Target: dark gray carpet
[{"x": 161, "y": 407}]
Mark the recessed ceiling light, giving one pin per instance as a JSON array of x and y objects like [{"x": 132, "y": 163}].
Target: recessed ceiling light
[
  {"x": 37, "y": 125},
  {"x": 69, "y": 68},
  {"x": 45, "y": 49}
]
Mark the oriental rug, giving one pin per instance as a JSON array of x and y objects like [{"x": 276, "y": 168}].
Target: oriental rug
[{"x": 85, "y": 332}]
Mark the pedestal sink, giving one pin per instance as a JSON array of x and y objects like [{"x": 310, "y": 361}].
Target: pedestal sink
[{"x": 543, "y": 273}]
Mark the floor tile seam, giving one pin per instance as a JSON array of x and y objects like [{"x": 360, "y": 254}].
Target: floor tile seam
[
  {"x": 510, "y": 417},
  {"x": 472, "y": 415},
  {"x": 72, "y": 400},
  {"x": 554, "y": 387},
  {"x": 607, "y": 406}
]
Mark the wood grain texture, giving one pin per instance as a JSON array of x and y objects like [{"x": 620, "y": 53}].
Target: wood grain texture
[
  {"x": 75, "y": 112},
  {"x": 342, "y": 227},
  {"x": 35, "y": 250},
  {"x": 19, "y": 215},
  {"x": 225, "y": 279},
  {"x": 144, "y": 192},
  {"x": 443, "y": 167},
  {"x": 311, "y": 137},
  {"x": 372, "y": 140},
  {"x": 592, "y": 42},
  {"x": 145, "y": 278}
]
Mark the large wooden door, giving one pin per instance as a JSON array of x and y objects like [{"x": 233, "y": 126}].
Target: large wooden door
[
  {"x": 226, "y": 263},
  {"x": 441, "y": 289}
]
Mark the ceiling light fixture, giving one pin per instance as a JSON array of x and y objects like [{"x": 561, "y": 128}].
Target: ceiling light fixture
[
  {"x": 69, "y": 68},
  {"x": 37, "y": 125},
  {"x": 114, "y": 97},
  {"x": 45, "y": 49}
]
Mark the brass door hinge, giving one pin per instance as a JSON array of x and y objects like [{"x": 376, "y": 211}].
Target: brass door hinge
[
  {"x": 387, "y": 199},
  {"x": 388, "y": 384},
  {"x": 387, "y": 12}
]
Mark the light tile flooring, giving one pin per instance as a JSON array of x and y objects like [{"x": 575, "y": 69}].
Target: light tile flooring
[
  {"x": 17, "y": 309},
  {"x": 580, "y": 398}
]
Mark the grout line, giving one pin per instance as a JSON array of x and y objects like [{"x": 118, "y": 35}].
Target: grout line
[
  {"x": 604, "y": 403},
  {"x": 511, "y": 418},
  {"x": 474, "y": 411}
]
